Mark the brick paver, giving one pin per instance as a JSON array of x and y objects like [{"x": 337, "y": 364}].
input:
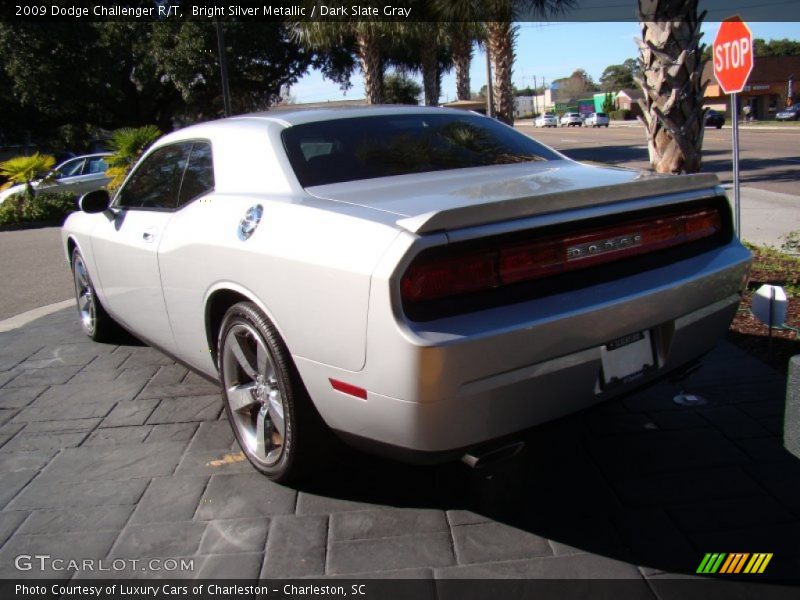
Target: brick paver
[{"x": 118, "y": 452}]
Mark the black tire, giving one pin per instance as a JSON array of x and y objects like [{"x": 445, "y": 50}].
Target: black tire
[
  {"x": 719, "y": 126},
  {"x": 305, "y": 440},
  {"x": 95, "y": 321}
]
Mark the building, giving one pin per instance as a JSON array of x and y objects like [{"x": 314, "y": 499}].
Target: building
[
  {"x": 523, "y": 106},
  {"x": 767, "y": 88},
  {"x": 629, "y": 100},
  {"x": 478, "y": 106}
]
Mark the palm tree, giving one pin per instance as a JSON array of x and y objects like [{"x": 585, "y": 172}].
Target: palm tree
[
  {"x": 463, "y": 35},
  {"x": 670, "y": 56},
  {"x": 425, "y": 47},
  {"x": 463, "y": 27},
  {"x": 27, "y": 169},
  {"x": 500, "y": 36},
  {"x": 127, "y": 145},
  {"x": 370, "y": 39}
]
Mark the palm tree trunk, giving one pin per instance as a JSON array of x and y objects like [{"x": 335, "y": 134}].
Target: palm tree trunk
[
  {"x": 670, "y": 57},
  {"x": 369, "y": 56},
  {"x": 500, "y": 39},
  {"x": 430, "y": 74},
  {"x": 462, "y": 57}
]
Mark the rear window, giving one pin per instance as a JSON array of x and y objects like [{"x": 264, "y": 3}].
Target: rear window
[
  {"x": 601, "y": 114},
  {"x": 366, "y": 147}
]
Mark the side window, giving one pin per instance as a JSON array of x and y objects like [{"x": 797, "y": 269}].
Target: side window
[
  {"x": 199, "y": 175},
  {"x": 70, "y": 168},
  {"x": 95, "y": 165},
  {"x": 155, "y": 183}
]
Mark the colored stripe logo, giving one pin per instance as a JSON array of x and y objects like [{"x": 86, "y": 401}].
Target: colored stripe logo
[{"x": 737, "y": 562}]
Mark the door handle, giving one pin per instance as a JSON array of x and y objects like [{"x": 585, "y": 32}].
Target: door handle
[{"x": 148, "y": 236}]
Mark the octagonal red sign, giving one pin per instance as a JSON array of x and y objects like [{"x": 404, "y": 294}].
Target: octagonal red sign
[{"x": 733, "y": 55}]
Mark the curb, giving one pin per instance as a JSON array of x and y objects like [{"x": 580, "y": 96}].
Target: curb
[{"x": 31, "y": 315}]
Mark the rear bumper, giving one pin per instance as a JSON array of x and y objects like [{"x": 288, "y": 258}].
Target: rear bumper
[{"x": 453, "y": 383}]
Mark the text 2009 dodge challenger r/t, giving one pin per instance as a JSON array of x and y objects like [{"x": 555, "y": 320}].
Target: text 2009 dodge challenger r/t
[{"x": 420, "y": 281}]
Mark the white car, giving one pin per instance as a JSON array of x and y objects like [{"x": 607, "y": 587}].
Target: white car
[
  {"x": 597, "y": 120},
  {"x": 420, "y": 281},
  {"x": 570, "y": 119},
  {"x": 546, "y": 120},
  {"x": 77, "y": 175}
]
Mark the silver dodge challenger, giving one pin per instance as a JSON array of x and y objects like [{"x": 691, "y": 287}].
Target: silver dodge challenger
[{"x": 418, "y": 281}]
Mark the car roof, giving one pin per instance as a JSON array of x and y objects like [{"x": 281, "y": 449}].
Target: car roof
[{"x": 287, "y": 117}]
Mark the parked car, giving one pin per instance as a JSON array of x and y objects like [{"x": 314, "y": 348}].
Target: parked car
[
  {"x": 571, "y": 119},
  {"x": 77, "y": 175},
  {"x": 792, "y": 113},
  {"x": 420, "y": 281},
  {"x": 597, "y": 120},
  {"x": 546, "y": 120},
  {"x": 714, "y": 119}
]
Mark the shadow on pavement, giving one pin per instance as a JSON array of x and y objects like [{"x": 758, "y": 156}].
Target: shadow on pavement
[{"x": 640, "y": 479}]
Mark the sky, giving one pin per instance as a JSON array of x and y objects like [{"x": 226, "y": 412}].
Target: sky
[{"x": 544, "y": 50}]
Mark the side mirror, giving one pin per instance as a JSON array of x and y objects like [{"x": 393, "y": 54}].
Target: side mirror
[{"x": 94, "y": 202}]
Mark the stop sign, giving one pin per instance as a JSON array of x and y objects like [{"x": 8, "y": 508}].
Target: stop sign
[{"x": 733, "y": 55}]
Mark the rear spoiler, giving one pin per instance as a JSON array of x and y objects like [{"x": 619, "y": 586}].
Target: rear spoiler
[{"x": 518, "y": 208}]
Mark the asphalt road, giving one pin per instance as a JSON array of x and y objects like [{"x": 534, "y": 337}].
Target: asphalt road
[
  {"x": 34, "y": 272},
  {"x": 768, "y": 159}
]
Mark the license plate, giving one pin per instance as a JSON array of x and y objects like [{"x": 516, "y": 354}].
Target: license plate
[{"x": 625, "y": 359}]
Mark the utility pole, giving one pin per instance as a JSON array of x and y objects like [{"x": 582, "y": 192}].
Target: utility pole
[{"x": 223, "y": 68}]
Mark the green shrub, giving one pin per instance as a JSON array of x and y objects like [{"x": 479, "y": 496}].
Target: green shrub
[
  {"x": 44, "y": 206},
  {"x": 623, "y": 114}
]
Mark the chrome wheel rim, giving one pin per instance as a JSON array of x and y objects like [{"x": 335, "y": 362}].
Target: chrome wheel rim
[
  {"x": 253, "y": 395},
  {"x": 84, "y": 295}
]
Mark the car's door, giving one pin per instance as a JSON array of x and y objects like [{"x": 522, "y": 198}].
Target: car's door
[
  {"x": 126, "y": 246},
  {"x": 93, "y": 176},
  {"x": 67, "y": 174}
]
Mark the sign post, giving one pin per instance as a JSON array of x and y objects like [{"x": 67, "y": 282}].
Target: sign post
[{"x": 733, "y": 63}]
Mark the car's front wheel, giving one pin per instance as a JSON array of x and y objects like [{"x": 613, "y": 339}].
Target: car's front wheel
[
  {"x": 95, "y": 321},
  {"x": 267, "y": 405}
]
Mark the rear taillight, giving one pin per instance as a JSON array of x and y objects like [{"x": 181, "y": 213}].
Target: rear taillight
[{"x": 434, "y": 277}]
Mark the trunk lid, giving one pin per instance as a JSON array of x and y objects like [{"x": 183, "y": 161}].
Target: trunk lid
[{"x": 448, "y": 200}]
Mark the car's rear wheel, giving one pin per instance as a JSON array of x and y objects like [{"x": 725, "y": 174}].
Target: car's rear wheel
[
  {"x": 267, "y": 405},
  {"x": 95, "y": 321}
]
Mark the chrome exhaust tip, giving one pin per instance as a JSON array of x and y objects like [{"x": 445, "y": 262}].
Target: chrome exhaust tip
[{"x": 479, "y": 459}]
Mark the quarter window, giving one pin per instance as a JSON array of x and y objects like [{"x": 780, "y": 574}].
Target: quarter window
[
  {"x": 156, "y": 182},
  {"x": 198, "y": 178}
]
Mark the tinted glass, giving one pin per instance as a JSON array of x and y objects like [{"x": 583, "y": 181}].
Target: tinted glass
[
  {"x": 381, "y": 146},
  {"x": 199, "y": 175},
  {"x": 156, "y": 181}
]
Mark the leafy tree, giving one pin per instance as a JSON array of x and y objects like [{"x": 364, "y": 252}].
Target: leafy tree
[
  {"x": 528, "y": 91},
  {"x": 127, "y": 145},
  {"x": 399, "y": 89},
  {"x": 671, "y": 60},
  {"x": 616, "y": 77},
  {"x": 580, "y": 83}
]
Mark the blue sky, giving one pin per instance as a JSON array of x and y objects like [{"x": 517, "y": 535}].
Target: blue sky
[{"x": 549, "y": 50}]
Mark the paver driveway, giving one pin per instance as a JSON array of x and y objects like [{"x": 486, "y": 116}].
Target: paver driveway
[{"x": 117, "y": 452}]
